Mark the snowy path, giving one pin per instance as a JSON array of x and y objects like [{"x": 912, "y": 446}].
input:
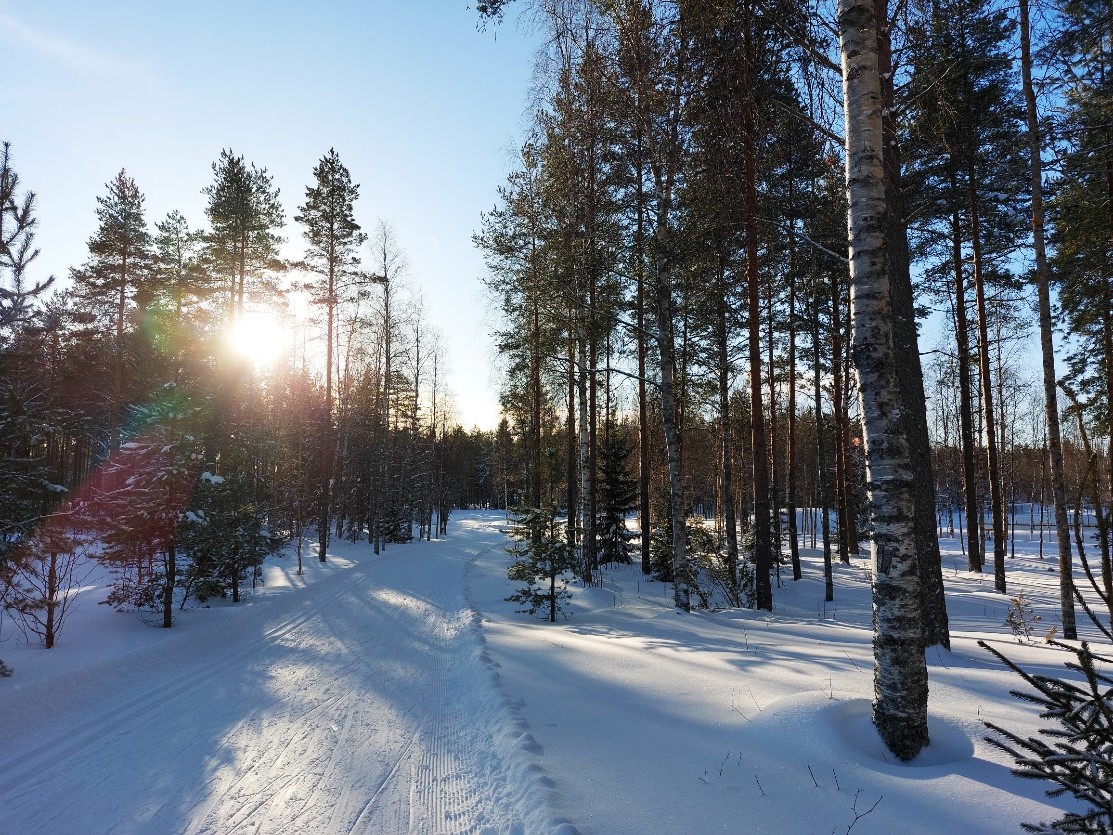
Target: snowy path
[{"x": 370, "y": 705}]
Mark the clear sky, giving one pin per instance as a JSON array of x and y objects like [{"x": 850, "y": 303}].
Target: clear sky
[{"x": 422, "y": 107}]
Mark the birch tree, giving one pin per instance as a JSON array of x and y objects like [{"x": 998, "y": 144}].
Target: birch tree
[{"x": 900, "y": 671}]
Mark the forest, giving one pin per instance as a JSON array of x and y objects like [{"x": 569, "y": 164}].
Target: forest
[
  {"x": 771, "y": 275},
  {"x": 188, "y": 403},
  {"x": 678, "y": 296}
]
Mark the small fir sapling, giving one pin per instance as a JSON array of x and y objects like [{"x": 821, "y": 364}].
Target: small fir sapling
[
  {"x": 542, "y": 560},
  {"x": 1075, "y": 751},
  {"x": 618, "y": 496}
]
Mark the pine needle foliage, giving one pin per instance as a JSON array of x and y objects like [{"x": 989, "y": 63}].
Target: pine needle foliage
[{"x": 1075, "y": 752}]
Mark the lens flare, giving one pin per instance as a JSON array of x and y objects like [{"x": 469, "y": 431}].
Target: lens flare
[{"x": 259, "y": 336}]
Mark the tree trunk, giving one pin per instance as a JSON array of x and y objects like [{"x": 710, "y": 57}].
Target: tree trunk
[
  {"x": 774, "y": 457},
  {"x": 570, "y": 442},
  {"x": 900, "y": 671},
  {"x": 989, "y": 416},
  {"x": 790, "y": 492},
  {"x": 586, "y": 561},
  {"x": 329, "y": 441},
  {"x": 966, "y": 406},
  {"x": 822, "y": 479},
  {"x": 763, "y": 548},
  {"x": 168, "y": 584},
  {"x": 909, "y": 370},
  {"x": 842, "y": 504},
  {"x": 730, "y": 523},
  {"x": 666, "y": 350},
  {"x": 643, "y": 400}
]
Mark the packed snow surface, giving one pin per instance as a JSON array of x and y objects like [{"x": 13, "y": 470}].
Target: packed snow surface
[{"x": 402, "y": 693}]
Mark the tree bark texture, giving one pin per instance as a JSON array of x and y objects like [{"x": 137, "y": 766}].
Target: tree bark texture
[
  {"x": 1047, "y": 349},
  {"x": 900, "y": 671}
]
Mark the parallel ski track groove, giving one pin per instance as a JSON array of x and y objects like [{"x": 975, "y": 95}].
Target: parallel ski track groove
[{"x": 130, "y": 710}]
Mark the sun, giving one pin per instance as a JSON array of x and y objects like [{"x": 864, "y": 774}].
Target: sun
[{"x": 259, "y": 336}]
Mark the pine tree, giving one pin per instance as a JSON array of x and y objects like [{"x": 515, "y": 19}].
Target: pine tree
[
  {"x": 1081, "y": 210},
  {"x": 17, "y": 249},
  {"x": 180, "y": 285},
  {"x": 243, "y": 212},
  {"x": 118, "y": 275},
  {"x": 334, "y": 238}
]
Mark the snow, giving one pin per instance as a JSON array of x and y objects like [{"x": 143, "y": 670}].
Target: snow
[{"x": 403, "y": 693}]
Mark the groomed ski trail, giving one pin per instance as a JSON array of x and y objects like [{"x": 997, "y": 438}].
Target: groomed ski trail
[{"x": 374, "y": 708}]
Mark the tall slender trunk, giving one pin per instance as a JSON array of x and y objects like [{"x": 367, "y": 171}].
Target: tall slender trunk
[
  {"x": 667, "y": 351},
  {"x": 909, "y": 369},
  {"x": 790, "y": 491},
  {"x": 849, "y": 479},
  {"x": 838, "y": 409},
  {"x": 535, "y": 409},
  {"x": 329, "y": 441},
  {"x": 774, "y": 450},
  {"x": 966, "y": 406},
  {"x": 643, "y": 399},
  {"x": 989, "y": 415},
  {"x": 822, "y": 479},
  {"x": 570, "y": 440},
  {"x": 900, "y": 671},
  {"x": 585, "y": 458},
  {"x": 763, "y": 546},
  {"x": 730, "y": 523}
]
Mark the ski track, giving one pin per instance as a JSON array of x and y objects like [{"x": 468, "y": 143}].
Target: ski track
[{"x": 374, "y": 709}]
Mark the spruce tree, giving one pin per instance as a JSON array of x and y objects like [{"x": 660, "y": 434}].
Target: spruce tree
[
  {"x": 138, "y": 500},
  {"x": 1075, "y": 751},
  {"x": 542, "y": 561},
  {"x": 618, "y": 495}
]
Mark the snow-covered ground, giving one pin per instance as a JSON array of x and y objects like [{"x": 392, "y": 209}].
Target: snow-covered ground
[{"x": 402, "y": 693}]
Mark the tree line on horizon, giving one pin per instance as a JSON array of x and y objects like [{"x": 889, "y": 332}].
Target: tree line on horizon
[{"x": 135, "y": 433}]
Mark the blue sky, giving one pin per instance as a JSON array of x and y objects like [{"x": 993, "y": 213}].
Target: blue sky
[{"x": 423, "y": 108}]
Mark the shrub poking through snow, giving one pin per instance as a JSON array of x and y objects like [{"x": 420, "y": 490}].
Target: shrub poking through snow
[
  {"x": 1021, "y": 618},
  {"x": 1076, "y": 751},
  {"x": 708, "y": 575},
  {"x": 542, "y": 560}
]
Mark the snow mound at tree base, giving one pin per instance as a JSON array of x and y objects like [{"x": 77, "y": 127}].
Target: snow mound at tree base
[{"x": 844, "y": 728}]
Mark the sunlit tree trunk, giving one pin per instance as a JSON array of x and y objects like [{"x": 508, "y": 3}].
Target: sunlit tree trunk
[{"x": 900, "y": 671}]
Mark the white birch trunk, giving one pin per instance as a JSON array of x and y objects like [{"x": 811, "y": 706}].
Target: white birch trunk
[{"x": 900, "y": 671}]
